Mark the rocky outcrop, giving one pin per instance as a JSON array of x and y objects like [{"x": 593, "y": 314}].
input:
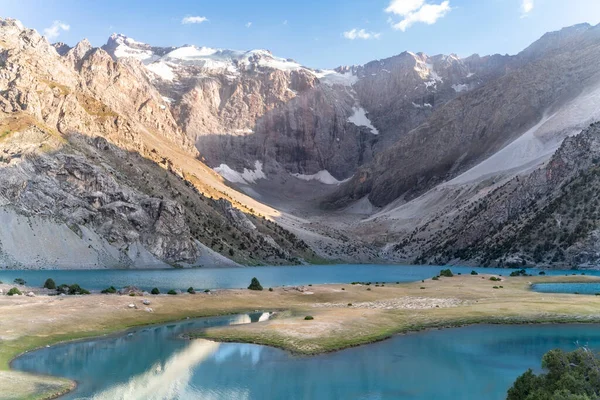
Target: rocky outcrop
[
  {"x": 475, "y": 125},
  {"x": 550, "y": 217},
  {"x": 87, "y": 177}
]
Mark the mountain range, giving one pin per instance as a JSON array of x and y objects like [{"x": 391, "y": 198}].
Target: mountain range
[{"x": 132, "y": 155}]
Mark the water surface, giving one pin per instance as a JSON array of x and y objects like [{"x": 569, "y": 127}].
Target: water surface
[
  {"x": 581, "y": 288},
  {"x": 222, "y": 278},
  {"x": 477, "y": 362}
]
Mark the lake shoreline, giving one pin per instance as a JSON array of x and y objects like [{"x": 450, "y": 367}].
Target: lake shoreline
[{"x": 386, "y": 323}]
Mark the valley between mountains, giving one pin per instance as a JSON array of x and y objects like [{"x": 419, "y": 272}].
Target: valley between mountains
[{"x": 136, "y": 156}]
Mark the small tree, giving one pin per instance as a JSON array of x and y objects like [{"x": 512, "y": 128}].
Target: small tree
[
  {"x": 172, "y": 292},
  {"x": 447, "y": 273},
  {"x": 155, "y": 291},
  {"x": 191, "y": 290},
  {"x": 14, "y": 291},
  {"x": 110, "y": 290},
  {"x": 474, "y": 272},
  {"x": 50, "y": 284},
  {"x": 255, "y": 285}
]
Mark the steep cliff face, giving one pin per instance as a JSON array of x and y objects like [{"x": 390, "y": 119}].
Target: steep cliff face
[
  {"x": 550, "y": 217},
  {"x": 478, "y": 123},
  {"x": 97, "y": 173},
  {"x": 243, "y": 107}
]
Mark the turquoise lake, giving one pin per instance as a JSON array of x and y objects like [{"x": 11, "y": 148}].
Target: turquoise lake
[
  {"x": 222, "y": 278},
  {"x": 581, "y": 288},
  {"x": 477, "y": 362}
]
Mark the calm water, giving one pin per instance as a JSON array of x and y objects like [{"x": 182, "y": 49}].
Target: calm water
[
  {"x": 221, "y": 278},
  {"x": 478, "y": 362},
  {"x": 582, "y": 288}
]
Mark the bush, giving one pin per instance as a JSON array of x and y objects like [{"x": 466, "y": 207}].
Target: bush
[
  {"x": 14, "y": 291},
  {"x": 474, "y": 272},
  {"x": 71, "y": 289},
  {"x": 422, "y": 287},
  {"x": 172, "y": 292},
  {"x": 542, "y": 273},
  {"x": 255, "y": 285},
  {"x": 520, "y": 272},
  {"x": 494, "y": 279},
  {"x": 447, "y": 273},
  {"x": 20, "y": 281},
  {"x": 155, "y": 291},
  {"x": 50, "y": 284},
  {"x": 191, "y": 290},
  {"x": 76, "y": 289},
  {"x": 574, "y": 375},
  {"x": 110, "y": 290},
  {"x": 309, "y": 318},
  {"x": 207, "y": 291},
  {"x": 270, "y": 289},
  {"x": 349, "y": 304},
  {"x": 435, "y": 278}
]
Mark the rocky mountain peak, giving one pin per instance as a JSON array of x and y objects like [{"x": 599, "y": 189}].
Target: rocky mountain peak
[{"x": 61, "y": 48}]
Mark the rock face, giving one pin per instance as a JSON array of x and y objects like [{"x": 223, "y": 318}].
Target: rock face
[
  {"x": 95, "y": 171},
  {"x": 243, "y": 107},
  {"x": 550, "y": 217},
  {"x": 480, "y": 122},
  {"x": 430, "y": 159}
]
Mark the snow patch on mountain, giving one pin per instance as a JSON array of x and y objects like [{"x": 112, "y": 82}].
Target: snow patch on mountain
[
  {"x": 124, "y": 49},
  {"x": 245, "y": 177},
  {"x": 331, "y": 77},
  {"x": 322, "y": 176},
  {"x": 359, "y": 118},
  {"x": 463, "y": 87},
  {"x": 163, "y": 70}
]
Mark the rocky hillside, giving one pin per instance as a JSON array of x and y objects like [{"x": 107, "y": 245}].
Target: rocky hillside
[
  {"x": 244, "y": 107},
  {"x": 550, "y": 217},
  {"x": 480, "y": 122},
  {"x": 95, "y": 171}
]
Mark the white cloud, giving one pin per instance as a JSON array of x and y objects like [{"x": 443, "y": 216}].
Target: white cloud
[
  {"x": 526, "y": 7},
  {"x": 193, "y": 20},
  {"x": 361, "y": 34},
  {"x": 248, "y": 24},
  {"x": 54, "y": 31},
  {"x": 414, "y": 11}
]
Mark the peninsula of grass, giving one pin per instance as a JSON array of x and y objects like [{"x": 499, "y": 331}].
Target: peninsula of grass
[{"x": 374, "y": 315}]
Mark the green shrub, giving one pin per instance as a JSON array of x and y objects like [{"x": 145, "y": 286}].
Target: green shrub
[
  {"x": 110, "y": 290},
  {"x": 520, "y": 272},
  {"x": 255, "y": 285},
  {"x": 20, "y": 281},
  {"x": 494, "y": 279},
  {"x": 422, "y": 287},
  {"x": 270, "y": 289},
  {"x": 309, "y": 318},
  {"x": 76, "y": 289},
  {"x": 369, "y": 289},
  {"x": 13, "y": 291},
  {"x": 155, "y": 291},
  {"x": 207, "y": 291},
  {"x": 172, "y": 292},
  {"x": 132, "y": 294},
  {"x": 574, "y": 375},
  {"x": 447, "y": 273},
  {"x": 191, "y": 290},
  {"x": 50, "y": 284},
  {"x": 71, "y": 289},
  {"x": 435, "y": 278},
  {"x": 495, "y": 287},
  {"x": 349, "y": 304},
  {"x": 474, "y": 272}
]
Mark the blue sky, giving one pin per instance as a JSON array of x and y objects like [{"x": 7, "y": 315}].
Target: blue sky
[{"x": 319, "y": 34}]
